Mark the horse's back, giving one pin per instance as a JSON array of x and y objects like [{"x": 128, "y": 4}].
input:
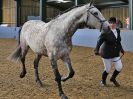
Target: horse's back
[
  {"x": 31, "y": 29},
  {"x": 31, "y": 35},
  {"x": 32, "y": 23}
]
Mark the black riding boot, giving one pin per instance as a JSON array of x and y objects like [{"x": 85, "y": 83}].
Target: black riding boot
[
  {"x": 104, "y": 76},
  {"x": 113, "y": 78}
]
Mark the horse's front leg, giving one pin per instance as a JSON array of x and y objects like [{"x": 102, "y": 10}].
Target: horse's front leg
[
  {"x": 36, "y": 61},
  {"x": 67, "y": 62},
  {"x": 58, "y": 78}
]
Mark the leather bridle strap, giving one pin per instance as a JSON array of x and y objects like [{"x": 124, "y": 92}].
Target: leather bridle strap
[{"x": 101, "y": 21}]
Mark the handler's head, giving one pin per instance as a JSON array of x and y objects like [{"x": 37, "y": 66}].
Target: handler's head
[{"x": 112, "y": 20}]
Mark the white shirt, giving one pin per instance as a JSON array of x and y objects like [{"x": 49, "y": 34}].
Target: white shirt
[{"x": 115, "y": 32}]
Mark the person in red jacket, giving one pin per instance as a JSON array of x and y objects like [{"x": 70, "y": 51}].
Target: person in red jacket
[{"x": 110, "y": 52}]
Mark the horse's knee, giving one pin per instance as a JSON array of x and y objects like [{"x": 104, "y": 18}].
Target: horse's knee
[
  {"x": 35, "y": 65},
  {"x": 55, "y": 70},
  {"x": 23, "y": 73}
]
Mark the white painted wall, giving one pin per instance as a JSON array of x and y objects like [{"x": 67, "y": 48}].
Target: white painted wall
[
  {"x": 8, "y": 32},
  {"x": 82, "y": 37},
  {"x": 88, "y": 38}
]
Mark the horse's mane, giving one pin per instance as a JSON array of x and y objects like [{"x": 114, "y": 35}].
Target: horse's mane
[
  {"x": 67, "y": 10},
  {"x": 71, "y": 8}
]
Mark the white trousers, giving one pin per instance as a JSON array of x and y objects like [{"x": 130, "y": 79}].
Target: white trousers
[{"x": 108, "y": 63}]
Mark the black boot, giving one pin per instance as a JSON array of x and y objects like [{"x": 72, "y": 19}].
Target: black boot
[
  {"x": 113, "y": 78},
  {"x": 104, "y": 76}
]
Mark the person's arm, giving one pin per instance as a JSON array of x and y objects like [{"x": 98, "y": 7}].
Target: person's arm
[
  {"x": 122, "y": 50},
  {"x": 100, "y": 41}
]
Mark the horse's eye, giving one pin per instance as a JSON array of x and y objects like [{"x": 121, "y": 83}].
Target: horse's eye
[{"x": 95, "y": 13}]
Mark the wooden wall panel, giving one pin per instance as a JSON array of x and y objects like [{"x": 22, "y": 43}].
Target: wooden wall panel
[
  {"x": 8, "y": 12},
  {"x": 118, "y": 12},
  {"x": 29, "y": 8},
  {"x": 52, "y": 12}
]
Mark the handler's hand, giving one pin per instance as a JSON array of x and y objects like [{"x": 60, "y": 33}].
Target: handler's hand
[
  {"x": 96, "y": 52},
  {"x": 123, "y": 52}
]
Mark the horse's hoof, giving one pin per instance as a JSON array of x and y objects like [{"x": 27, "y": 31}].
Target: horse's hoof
[
  {"x": 22, "y": 75},
  {"x": 64, "y": 96}
]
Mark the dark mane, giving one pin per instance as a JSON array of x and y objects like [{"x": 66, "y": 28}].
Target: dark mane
[
  {"x": 71, "y": 8},
  {"x": 68, "y": 10}
]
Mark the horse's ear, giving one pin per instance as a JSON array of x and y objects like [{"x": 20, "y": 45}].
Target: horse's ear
[{"x": 91, "y": 2}]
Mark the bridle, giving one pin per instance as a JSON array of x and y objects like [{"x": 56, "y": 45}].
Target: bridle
[{"x": 101, "y": 21}]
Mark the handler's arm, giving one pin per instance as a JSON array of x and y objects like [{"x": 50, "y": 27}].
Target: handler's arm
[
  {"x": 100, "y": 41},
  {"x": 122, "y": 50}
]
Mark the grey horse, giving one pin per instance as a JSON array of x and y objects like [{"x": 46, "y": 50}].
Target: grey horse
[{"x": 54, "y": 40}]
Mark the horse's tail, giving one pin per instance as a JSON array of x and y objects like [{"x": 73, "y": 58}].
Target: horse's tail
[
  {"x": 15, "y": 55},
  {"x": 19, "y": 35}
]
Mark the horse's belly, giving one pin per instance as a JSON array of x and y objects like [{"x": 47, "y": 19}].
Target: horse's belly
[{"x": 38, "y": 47}]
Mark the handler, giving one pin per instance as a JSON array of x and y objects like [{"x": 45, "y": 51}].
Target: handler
[{"x": 110, "y": 52}]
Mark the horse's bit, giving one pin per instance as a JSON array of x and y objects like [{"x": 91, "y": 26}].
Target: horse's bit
[{"x": 101, "y": 21}]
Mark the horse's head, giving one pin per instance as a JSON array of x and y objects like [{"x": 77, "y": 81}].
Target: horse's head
[{"x": 95, "y": 19}]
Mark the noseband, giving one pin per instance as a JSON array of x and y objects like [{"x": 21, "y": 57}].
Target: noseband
[{"x": 101, "y": 21}]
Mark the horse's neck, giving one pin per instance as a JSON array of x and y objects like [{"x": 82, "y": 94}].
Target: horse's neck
[{"x": 73, "y": 20}]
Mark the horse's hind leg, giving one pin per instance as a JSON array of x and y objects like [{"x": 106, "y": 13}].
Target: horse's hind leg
[
  {"x": 22, "y": 57},
  {"x": 67, "y": 62},
  {"x": 36, "y": 61}
]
